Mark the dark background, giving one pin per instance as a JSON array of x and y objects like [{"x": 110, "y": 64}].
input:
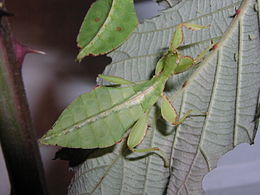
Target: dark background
[{"x": 53, "y": 80}]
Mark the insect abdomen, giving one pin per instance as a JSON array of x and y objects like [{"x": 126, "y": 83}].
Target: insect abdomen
[{"x": 95, "y": 119}]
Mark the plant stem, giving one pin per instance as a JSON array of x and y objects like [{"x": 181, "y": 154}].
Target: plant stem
[{"x": 17, "y": 137}]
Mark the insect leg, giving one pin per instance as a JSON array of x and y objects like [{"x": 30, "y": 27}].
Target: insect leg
[
  {"x": 115, "y": 79},
  {"x": 184, "y": 64},
  {"x": 178, "y": 36},
  {"x": 169, "y": 113},
  {"x": 137, "y": 134},
  {"x": 159, "y": 66}
]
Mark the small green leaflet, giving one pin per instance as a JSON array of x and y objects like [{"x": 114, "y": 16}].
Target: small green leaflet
[{"x": 106, "y": 26}]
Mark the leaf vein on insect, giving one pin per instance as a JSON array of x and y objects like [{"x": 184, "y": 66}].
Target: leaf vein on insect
[{"x": 132, "y": 101}]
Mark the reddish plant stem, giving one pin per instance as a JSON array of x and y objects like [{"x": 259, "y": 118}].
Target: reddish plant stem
[{"x": 17, "y": 137}]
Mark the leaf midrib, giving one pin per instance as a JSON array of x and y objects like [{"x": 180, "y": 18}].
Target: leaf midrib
[
  {"x": 234, "y": 23},
  {"x": 191, "y": 20}
]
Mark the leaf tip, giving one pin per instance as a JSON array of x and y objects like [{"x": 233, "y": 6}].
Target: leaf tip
[
  {"x": 80, "y": 57},
  {"x": 42, "y": 141}
]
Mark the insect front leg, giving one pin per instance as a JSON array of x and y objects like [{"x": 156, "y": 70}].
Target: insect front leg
[
  {"x": 186, "y": 62},
  {"x": 159, "y": 66},
  {"x": 178, "y": 36},
  {"x": 169, "y": 113}
]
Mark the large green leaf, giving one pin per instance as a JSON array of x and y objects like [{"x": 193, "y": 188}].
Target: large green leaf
[{"x": 225, "y": 85}]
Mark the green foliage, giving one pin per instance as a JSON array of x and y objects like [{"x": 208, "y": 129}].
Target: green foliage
[
  {"x": 107, "y": 25},
  {"x": 224, "y": 88}
]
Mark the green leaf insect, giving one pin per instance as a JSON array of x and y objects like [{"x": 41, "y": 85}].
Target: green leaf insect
[
  {"x": 101, "y": 118},
  {"x": 106, "y": 26}
]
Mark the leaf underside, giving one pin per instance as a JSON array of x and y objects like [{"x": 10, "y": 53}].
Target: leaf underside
[
  {"x": 168, "y": 3},
  {"x": 107, "y": 24},
  {"x": 225, "y": 86}
]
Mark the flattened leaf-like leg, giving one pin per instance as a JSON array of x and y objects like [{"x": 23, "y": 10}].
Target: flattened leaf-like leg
[
  {"x": 136, "y": 136},
  {"x": 177, "y": 38},
  {"x": 184, "y": 64},
  {"x": 115, "y": 79},
  {"x": 169, "y": 113},
  {"x": 159, "y": 66},
  {"x": 187, "y": 62},
  {"x": 178, "y": 34}
]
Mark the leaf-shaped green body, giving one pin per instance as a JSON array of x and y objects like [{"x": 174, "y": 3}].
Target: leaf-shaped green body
[
  {"x": 107, "y": 24},
  {"x": 95, "y": 119},
  {"x": 100, "y": 118}
]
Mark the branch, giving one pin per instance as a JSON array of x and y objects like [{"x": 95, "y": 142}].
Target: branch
[{"x": 16, "y": 133}]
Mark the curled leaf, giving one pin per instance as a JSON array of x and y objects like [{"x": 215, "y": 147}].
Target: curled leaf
[{"x": 106, "y": 26}]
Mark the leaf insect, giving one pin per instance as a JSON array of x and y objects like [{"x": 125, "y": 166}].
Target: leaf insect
[{"x": 100, "y": 118}]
